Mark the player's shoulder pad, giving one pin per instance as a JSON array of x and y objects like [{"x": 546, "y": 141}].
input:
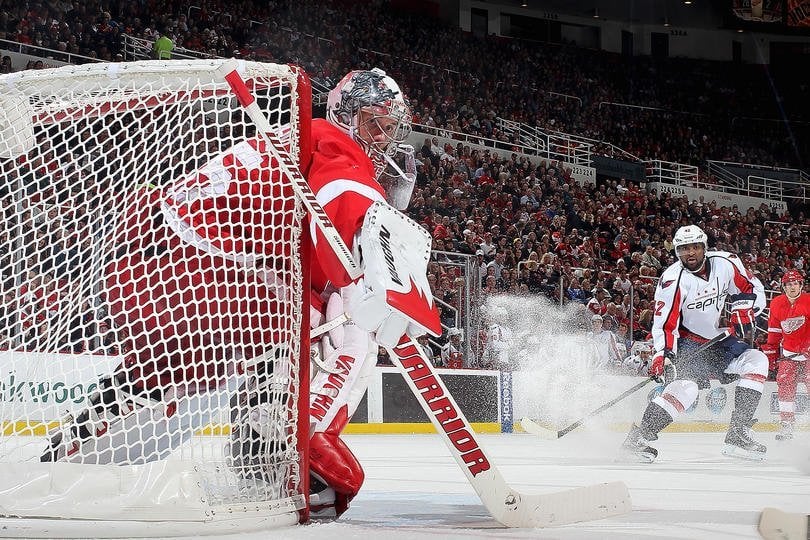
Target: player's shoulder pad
[
  {"x": 671, "y": 275},
  {"x": 728, "y": 258},
  {"x": 717, "y": 254},
  {"x": 330, "y": 142}
]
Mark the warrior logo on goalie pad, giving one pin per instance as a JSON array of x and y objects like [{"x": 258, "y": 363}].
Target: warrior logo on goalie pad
[{"x": 385, "y": 242}]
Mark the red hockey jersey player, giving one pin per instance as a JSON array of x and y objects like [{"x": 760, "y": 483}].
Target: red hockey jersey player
[
  {"x": 179, "y": 283},
  {"x": 789, "y": 329}
]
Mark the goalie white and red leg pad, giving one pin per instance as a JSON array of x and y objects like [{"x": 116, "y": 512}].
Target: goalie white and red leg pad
[{"x": 334, "y": 396}]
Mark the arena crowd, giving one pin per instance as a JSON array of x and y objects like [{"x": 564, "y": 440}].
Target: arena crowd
[{"x": 531, "y": 226}]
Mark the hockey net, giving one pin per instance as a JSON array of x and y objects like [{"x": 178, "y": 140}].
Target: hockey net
[{"x": 129, "y": 262}]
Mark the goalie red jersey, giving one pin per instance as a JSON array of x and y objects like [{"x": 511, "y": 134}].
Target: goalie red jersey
[
  {"x": 789, "y": 324},
  {"x": 172, "y": 300}
]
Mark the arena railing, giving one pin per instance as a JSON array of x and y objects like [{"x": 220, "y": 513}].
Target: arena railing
[
  {"x": 670, "y": 172},
  {"x": 45, "y": 53},
  {"x": 136, "y": 48},
  {"x": 470, "y": 300}
]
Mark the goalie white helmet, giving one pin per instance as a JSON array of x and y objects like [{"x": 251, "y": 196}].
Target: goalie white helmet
[
  {"x": 692, "y": 260},
  {"x": 370, "y": 107}
]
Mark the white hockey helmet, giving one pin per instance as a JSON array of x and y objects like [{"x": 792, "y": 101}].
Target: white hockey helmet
[
  {"x": 639, "y": 347},
  {"x": 379, "y": 98},
  {"x": 689, "y": 234}
]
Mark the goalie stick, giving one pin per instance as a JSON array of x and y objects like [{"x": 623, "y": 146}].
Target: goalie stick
[
  {"x": 506, "y": 505},
  {"x": 774, "y": 524},
  {"x": 530, "y": 426}
]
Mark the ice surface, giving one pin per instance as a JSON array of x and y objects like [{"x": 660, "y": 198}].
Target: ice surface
[{"x": 414, "y": 490}]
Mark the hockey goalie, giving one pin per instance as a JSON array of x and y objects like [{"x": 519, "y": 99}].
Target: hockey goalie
[{"x": 196, "y": 262}]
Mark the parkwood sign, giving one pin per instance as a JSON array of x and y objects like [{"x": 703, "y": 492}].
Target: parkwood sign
[{"x": 43, "y": 386}]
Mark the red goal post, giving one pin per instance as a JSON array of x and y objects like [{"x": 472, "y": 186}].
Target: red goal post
[{"x": 123, "y": 242}]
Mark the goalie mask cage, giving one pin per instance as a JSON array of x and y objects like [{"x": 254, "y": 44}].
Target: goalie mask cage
[{"x": 131, "y": 261}]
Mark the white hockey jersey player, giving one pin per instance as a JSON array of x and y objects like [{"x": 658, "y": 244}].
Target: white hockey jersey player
[
  {"x": 690, "y": 305},
  {"x": 689, "y": 302},
  {"x": 639, "y": 360}
]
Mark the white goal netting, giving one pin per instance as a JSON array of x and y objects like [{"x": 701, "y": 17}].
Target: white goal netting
[{"x": 153, "y": 299}]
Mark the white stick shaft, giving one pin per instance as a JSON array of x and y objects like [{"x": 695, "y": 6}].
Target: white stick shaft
[
  {"x": 507, "y": 506},
  {"x": 445, "y": 415},
  {"x": 329, "y": 325}
]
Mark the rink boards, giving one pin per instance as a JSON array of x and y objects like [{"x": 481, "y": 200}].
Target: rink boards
[
  {"x": 491, "y": 400},
  {"x": 494, "y": 401}
]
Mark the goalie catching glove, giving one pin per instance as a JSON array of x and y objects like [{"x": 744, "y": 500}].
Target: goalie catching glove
[{"x": 396, "y": 299}]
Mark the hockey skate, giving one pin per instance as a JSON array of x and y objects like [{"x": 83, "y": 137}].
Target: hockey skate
[
  {"x": 636, "y": 448},
  {"x": 740, "y": 443},
  {"x": 325, "y": 503},
  {"x": 785, "y": 431}
]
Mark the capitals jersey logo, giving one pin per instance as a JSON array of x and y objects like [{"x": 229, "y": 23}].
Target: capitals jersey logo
[
  {"x": 792, "y": 324},
  {"x": 667, "y": 283}
]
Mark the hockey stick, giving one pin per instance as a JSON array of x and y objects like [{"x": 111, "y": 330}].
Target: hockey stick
[
  {"x": 317, "y": 332},
  {"x": 530, "y": 426},
  {"x": 229, "y": 72},
  {"x": 506, "y": 505},
  {"x": 329, "y": 325}
]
